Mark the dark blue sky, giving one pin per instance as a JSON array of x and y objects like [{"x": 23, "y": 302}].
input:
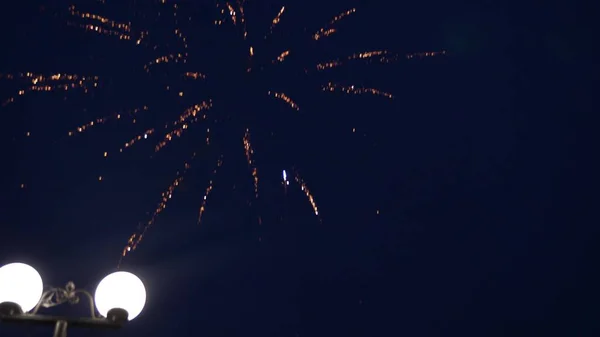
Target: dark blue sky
[{"x": 484, "y": 224}]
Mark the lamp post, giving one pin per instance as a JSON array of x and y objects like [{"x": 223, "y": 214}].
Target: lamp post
[{"x": 119, "y": 297}]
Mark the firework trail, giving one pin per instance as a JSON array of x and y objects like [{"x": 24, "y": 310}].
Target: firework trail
[
  {"x": 328, "y": 30},
  {"x": 178, "y": 33},
  {"x": 125, "y": 27},
  {"x": 102, "y": 120},
  {"x": 194, "y": 75},
  {"x": 381, "y": 56},
  {"x": 55, "y": 82},
  {"x": 209, "y": 189},
  {"x": 170, "y": 58},
  {"x": 308, "y": 194},
  {"x": 355, "y": 90},
  {"x": 105, "y": 26},
  {"x": 281, "y": 57},
  {"x": 188, "y": 117},
  {"x": 282, "y": 96},
  {"x": 240, "y": 4},
  {"x": 137, "y": 237},
  {"x": 134, "y": 140},
  {"x": 275, "y": 21},
  {"x": 249, "y": 151}
]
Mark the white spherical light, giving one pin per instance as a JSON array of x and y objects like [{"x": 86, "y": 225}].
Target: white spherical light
[
  {"x": 20, "y": 284},
  {"x": 121, "y": 290}
]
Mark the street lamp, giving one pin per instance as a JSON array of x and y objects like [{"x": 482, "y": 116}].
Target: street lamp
[{"x": 119, "y": 297}]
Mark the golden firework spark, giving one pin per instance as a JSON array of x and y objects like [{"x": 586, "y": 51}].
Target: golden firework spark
[
  {"x": 327, "y": 31},
  {"x": 285, "y": 98},
  {"x": 425, "y": 54},
  {"x": 181, "y": 37},
  {"x": 363, "y": 55},
  {"x": 178, "y": 33},
  {"x": 134, "y": 140},
  {"x": 308, "y": 194},
  {"x": 188, "y": 117},
  {"x": 52, "y": 83},
  {"x": 249, "y": 151},
  {"x": 232, "y": 13},
  {"x": 240, "y": 4},
  {"x": 276, "y": 20},
  {"x": 355, "y": 90},
  {"x": 194, "y": 75},
  {"x": 97, "y": 121},
  {"x": 103, "y": 31},
  {"x": 175, "y": 58},
  {"x": 137, "y": 237},
  {"x": 105, "y": 26},
  {"x": 209, "y": 189},
  {"x": 282, "y": 56},
  {"x": 381, "y": 56},
  {"x": 106, "y": 21}
]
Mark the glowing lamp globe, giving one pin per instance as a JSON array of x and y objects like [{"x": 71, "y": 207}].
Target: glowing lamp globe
[
  {"x": 20, "y": 284},
  {"x": 121, "y": 290}
]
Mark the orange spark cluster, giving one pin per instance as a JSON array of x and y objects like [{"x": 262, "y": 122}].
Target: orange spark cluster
[
  {"x": 282, "y": 56},
  {"x": 135, "y": 140},
  {"x": 103, "y": 31},
  {"x": 326, "y": 31},
  {"x": 170, "y": 135},
  {"x": 249, "y": 151},
  {"x": 192, "y": 112},
  {"x": 426, "y": 54},
  {"x": 219, "y": 21},
  {"x": 240, "y": 4},
  {"x": 187, "y": 117},
  {"x": 143, "y": 35},
  {"x": 111, "y": 28},
  {"x": 103, "y": 120},
  {"x": 232, "y": 13},
  {"x": 88, "y": 125},
  {"x": 194, "y": 75},
  {"x": 363, "y": 55},
  {"x": 285, "y": 98},
  {"x": 276, "y": 20},
  {"x": 38, "y": 78},
  {"x": 112, "y": 24},
  {"x": 367, "y": 54},
  {"x": 38, "y": 82},
  {"x": 355, "y": 90},
  {"x": 342, "y": 15},
  {"x": 166, "y": 59},
  {"x": 309, "y": 195},
  {"x": 181, "y": 37},
  {"x": 135, "y": 238},
  {"x": 323, "y": 33},
  {"x": 420, "y": 55},
  {"x": 378, "y": 55},
  {"x": 178, "y": 31},
  {"x": 209, "y": 189}
]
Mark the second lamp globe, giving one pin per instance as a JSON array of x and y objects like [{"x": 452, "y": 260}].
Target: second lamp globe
[{"x": 121, "y": 290}]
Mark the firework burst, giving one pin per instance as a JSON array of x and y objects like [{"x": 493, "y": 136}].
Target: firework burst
[{"x": 230, "y": 17}]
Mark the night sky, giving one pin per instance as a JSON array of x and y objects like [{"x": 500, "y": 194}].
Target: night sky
[{"x": 459, "y": 208}]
